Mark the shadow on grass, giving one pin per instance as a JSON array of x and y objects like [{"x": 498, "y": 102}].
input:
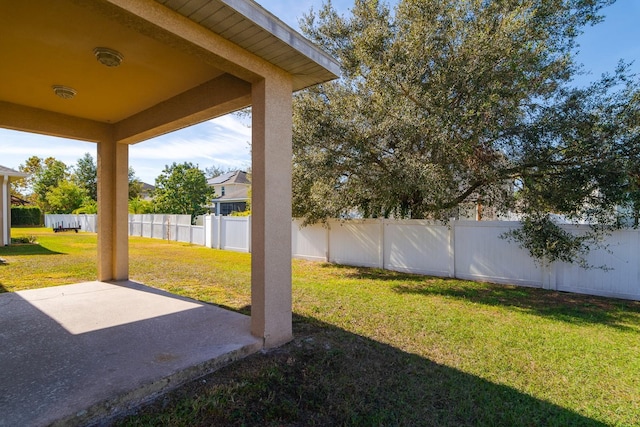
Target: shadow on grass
[
  {"x": 328, "y": 376},
  {"x": 27, "y": 249},
  {"x": 563, "y": 306}
]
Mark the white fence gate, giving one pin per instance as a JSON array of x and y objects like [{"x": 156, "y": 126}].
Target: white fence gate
[{"x": 464, "y": 249}]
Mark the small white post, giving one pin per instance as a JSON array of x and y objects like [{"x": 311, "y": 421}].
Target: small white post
[
  {"x": 249, "y": 233},
  {"x": 549, "y": 280},
  {"x": 382, "y": 242},
  {"x": 328, "y": 234},
  {"x": 219, "y": 232},
  {"x": 452, "y": 247}
]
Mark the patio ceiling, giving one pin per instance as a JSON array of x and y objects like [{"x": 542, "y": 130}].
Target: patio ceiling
[
  {"x": 45, "y": 43},
  {"x": 151, "y": 72}
]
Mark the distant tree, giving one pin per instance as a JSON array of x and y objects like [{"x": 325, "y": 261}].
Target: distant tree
[
  {"x": 135, "y": 185},
  {"x": 88, "y": 206},
  {"x": 86, "y": 175},
  {"x": 182, "y": 189},
  {"x": 140, "y": 206},
  {"x": 32, "y": 166},
  {"x": 216, "y": 170},
  {"x": 44, "y": 175},
  {"x": 65, "y": 197}
]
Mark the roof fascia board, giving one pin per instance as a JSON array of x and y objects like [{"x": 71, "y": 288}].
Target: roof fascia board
[{"x": 269, "y": 22}]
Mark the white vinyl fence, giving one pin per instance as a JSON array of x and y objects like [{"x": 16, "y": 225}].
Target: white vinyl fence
[
  {"x": 84, "y": 221},
  {"x": 157, "y": 226},
  {"x": 470, "y": 250},
  {"x": 177, "y": 228},
  {"x": 463, "y": 249}
]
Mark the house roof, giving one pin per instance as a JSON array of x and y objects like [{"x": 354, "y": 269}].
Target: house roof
[
  {"x": 5, "y": 171},
  {"x": 235, "y": 177},
  {"x": 147, "y": 187},
  {"x": 238, "y": 195}
]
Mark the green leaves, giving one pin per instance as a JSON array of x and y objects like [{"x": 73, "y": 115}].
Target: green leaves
[
  {"x": 182, "y": 189},
  {"x": 65, "y": 197},
  {"x": 86, "y": 175},
  {"x": 548, "y": 242}
]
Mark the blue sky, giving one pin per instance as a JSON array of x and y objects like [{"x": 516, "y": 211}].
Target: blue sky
[{"x": 225, "y": 141}]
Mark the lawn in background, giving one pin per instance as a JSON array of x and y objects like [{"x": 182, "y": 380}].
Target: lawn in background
[{"x": 374, "y": 347}]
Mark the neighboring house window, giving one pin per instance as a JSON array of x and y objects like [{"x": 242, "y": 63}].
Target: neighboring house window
[
  {"x": 228, "y": 208},
  {"x": 222, "y": 190}
]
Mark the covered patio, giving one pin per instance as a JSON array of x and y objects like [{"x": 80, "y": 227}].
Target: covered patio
[{"x": 118, "y": 72}]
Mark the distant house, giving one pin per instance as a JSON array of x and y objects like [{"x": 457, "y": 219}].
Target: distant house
[
  {"x": 146, "y": 191},
  {"x": 232, "y": 192},
  {"x": 6, "y": 175}
]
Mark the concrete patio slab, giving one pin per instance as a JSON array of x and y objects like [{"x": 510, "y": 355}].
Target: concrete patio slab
[{"x": 80, "y": 354}]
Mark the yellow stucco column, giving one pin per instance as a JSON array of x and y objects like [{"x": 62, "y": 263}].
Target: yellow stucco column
[
  {"x": 113, "y": 214},
  {"x": 271, "y": 211}
]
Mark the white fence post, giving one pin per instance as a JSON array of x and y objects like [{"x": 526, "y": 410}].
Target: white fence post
[
  {"x": 452, "y": 247},
  {"x": 328, "y": 231},
  {"x": 249, "y": 233},
  {"x": 219, "y": 232},
  {"x": 381, "y": 253},
  {"x": 208, "y": 238},
  {"x": 549, "y": 280},
  {"x": 223, "y": 233}
]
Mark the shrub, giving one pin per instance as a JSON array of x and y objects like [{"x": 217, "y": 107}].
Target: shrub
[{"x": 26, "y": 215}]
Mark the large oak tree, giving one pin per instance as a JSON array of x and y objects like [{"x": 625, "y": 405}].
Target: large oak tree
[{"x": 449, "y": 103}]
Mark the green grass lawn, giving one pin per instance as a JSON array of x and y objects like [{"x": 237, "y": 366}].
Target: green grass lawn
[{"x": 374, "y": 347}]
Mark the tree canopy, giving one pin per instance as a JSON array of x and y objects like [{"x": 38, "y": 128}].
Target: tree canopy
[
  {"x": 44, "y": 175},
  {"x": 86, "y": 175},
  {"x": 57, "y": 188},
  {"x": 66, "y": 197},
  {"x": 182, "y": 189},
  {"x": 443, "y": 104}
]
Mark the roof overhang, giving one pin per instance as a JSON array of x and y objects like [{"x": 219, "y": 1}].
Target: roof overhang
[
  {"x": 12, "y": 174},
  {"x": 255, "y": 29},
  {"x": 184, "y": 61}
]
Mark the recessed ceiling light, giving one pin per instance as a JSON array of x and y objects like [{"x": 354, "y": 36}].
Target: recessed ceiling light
[
  {"x": 108, "y": 57},
  {"x": 64, "y": 92}
]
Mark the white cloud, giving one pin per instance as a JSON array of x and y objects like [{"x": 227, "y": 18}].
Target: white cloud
[
  {"x": 224, "y": 136},
  {"x": 224, "y": 141},
  {"x": 16, "y": 147}
]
